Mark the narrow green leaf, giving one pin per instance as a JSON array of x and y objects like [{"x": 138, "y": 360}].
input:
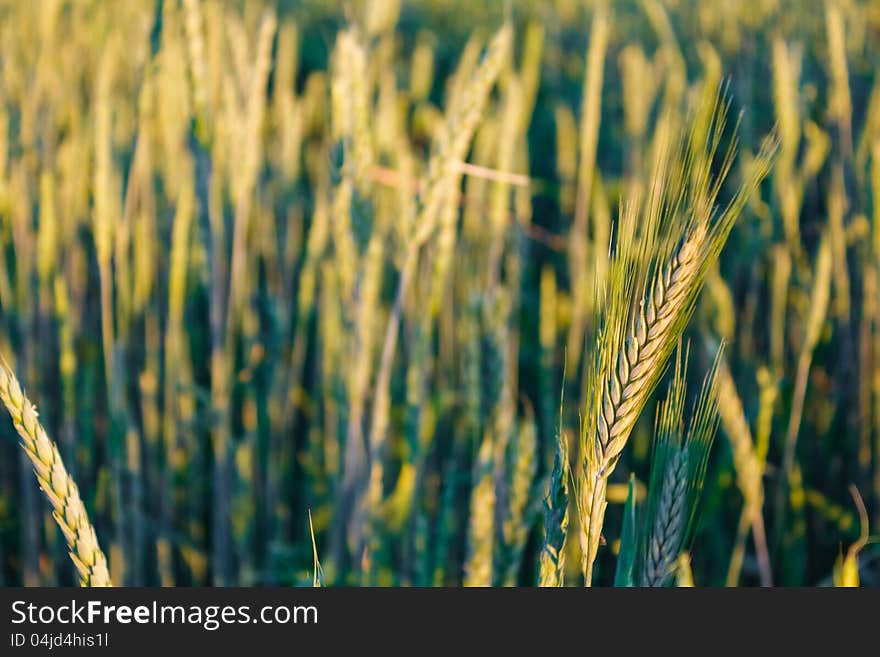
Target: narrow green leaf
[{"x": 627, "y": 558}]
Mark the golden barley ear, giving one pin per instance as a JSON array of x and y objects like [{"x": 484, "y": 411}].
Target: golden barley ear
[
  {"x": 68, "y": 508},
  {"x": 664, "y": 245}
]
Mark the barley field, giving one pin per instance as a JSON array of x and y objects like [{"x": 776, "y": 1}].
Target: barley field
[{"x": 423, "y": 293}]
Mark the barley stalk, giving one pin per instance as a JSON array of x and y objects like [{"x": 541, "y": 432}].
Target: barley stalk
[{"x": 819, "y": 301}]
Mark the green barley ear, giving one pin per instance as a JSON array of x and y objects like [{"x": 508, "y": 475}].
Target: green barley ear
[
  {"x": 68, "y": 508},
  {"x": 678, "y": 469},
  {"x": 556, "y": 514}
]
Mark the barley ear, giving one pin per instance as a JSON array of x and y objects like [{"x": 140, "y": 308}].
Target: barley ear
[
  {"x": 678, "y": 469},
  {"x": 68, "y": 508},
  {"x": 552, "y": 560},
  {"x": 556, "y": 518}
]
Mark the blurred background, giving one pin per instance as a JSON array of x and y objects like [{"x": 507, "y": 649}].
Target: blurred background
[{"x": 260, "y": 260}]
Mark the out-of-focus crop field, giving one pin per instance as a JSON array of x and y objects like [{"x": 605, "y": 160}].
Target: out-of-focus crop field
[{"x": 303, "y": 282}]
